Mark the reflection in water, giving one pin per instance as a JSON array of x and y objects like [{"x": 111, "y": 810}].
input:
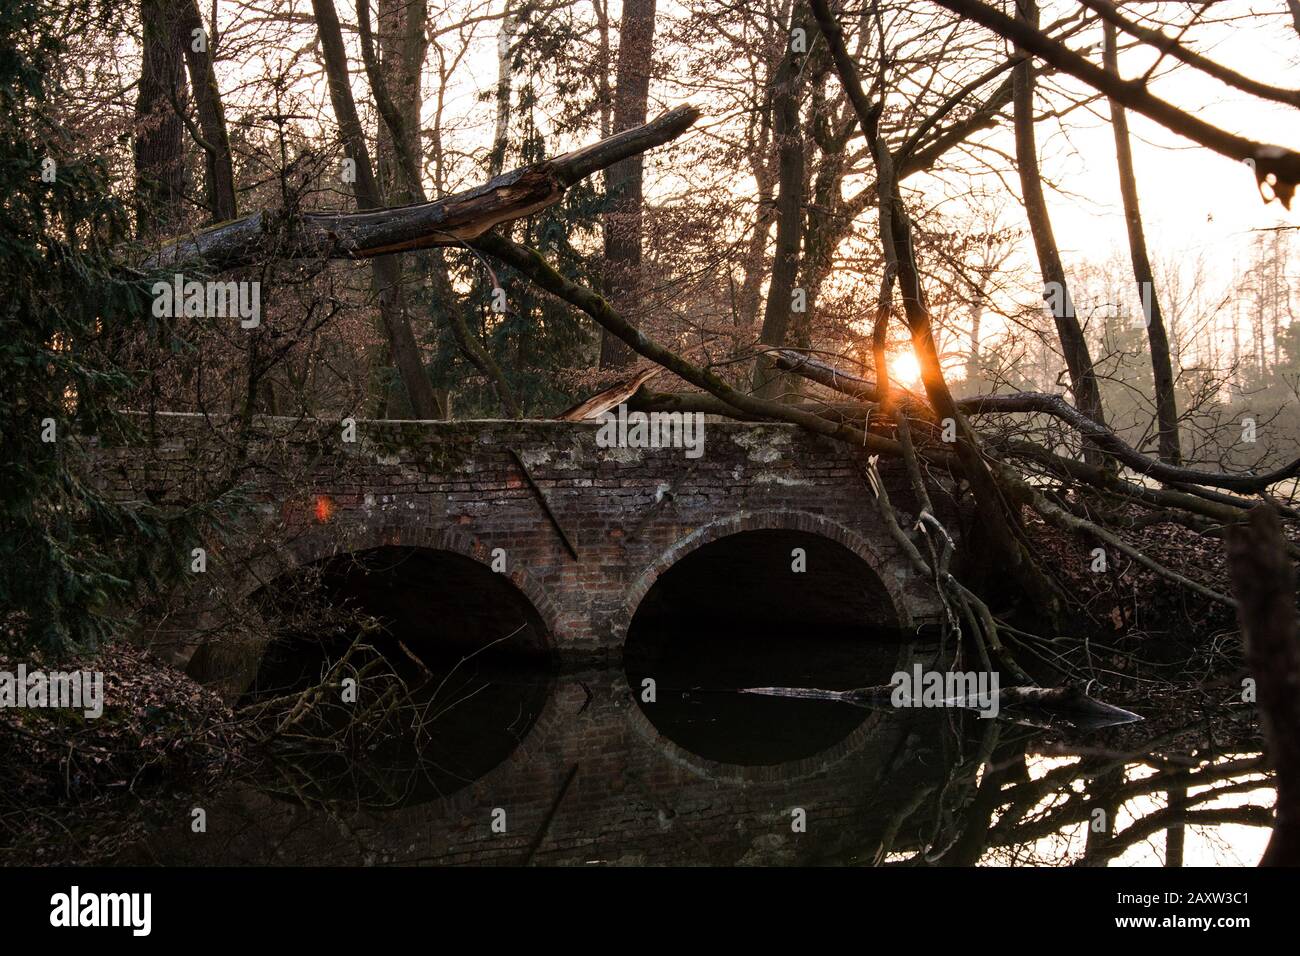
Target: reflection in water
[
  {"x": 736, "y": 614},
  {"x": 1223, "y": 820},
  {"x": 456, "y": 724},
  {"x": 497, "y": 760},
  {"x": 697, "y": 672},
  {"x": 1020, "y": 799},
  {"x": 921, "y": 788},
  {"x": 439, "y": 649}
]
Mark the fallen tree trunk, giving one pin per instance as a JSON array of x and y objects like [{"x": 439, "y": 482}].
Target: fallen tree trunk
[
  {"x": 1041, "y": 402},
  {"x": 450, "y": 221}
]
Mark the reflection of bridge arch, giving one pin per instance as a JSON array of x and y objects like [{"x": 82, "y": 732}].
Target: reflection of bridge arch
[
  {"x": 397, "y": 576},
  {"x": 738, "y": 774}
]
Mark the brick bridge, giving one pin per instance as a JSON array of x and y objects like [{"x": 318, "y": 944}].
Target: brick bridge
[
  {"x": 582, "y": 532},
  {"x": 579, "y": 539}
]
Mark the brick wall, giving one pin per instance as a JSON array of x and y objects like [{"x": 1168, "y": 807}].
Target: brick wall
[{"x": 630, "y": 513}]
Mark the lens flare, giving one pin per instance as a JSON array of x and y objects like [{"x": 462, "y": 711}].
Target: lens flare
[{"x": 324, "y": 508}]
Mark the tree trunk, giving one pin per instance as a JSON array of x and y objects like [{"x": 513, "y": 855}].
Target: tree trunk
[
  {"x": 396, "y": 70},
  {"x": 402, "y": 47},
  {"x": 219, "y": 165},
  {"x": 1161, "y": 367},
  {"x": 1263, "y": 580},
  {"x": 603, "y": 67},
  {"x": 1074, "y": 346},
  {"x": 624, "y": 221},
  {"x": 386, "y": 269},
  {"x": 974, "y": 369},
  {"x": 159, "y": 153},
  {"x": 505, "y": 85},
  {"x": 1176, "y": 835},
  {"x": 786, "y": 93},
  {"x": 996, "y": 520}
]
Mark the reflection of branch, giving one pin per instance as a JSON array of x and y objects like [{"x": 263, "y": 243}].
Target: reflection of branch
[
  {"x": 468, "y": 657},
  {"x": 1078, "y": 806},
  {"x": 1169, "y": 817},
  {"x": 536, "y": 842}
]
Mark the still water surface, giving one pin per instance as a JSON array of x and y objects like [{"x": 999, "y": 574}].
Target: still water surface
[{"x": 514, "y": 763}]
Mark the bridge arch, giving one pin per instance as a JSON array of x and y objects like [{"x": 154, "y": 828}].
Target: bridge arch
[
  {"x": 774, "y": 520},
  {"x": 232, "y": 671},
  {"x": 313, "y": 547}
]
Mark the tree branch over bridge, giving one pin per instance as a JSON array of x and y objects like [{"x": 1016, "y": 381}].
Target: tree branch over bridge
[{"x": 450, "y": 221}]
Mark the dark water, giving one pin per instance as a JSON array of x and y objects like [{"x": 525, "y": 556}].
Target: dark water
[
  {"x": 490, "y": 756},
  {"x": 541, "y": 768}
]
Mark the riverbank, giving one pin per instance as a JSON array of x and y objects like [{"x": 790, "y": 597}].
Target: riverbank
[{"x": 76, "y": 789}]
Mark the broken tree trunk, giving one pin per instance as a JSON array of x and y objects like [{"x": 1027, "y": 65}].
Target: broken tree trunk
[
  {"x": 1263, "y": 579},
  {"x": 450, "y": 221},
  {"x": 611, "y": 397}
]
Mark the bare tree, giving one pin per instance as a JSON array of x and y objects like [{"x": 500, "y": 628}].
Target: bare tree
[
  {"x": 1166, "y": 401},
  {"x": 1074, "y": 347},
  {"x": 624, "y": 221}
]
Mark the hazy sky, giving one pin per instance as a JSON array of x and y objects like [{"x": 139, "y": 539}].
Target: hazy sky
[
  {"x": 1190, "y": 196},
  {"x": 1195, "y": 203},
  {"x": 1183, "y": 186}
]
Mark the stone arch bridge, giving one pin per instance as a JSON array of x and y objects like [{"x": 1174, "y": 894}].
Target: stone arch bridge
[{"x": 582, "y": 532}]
